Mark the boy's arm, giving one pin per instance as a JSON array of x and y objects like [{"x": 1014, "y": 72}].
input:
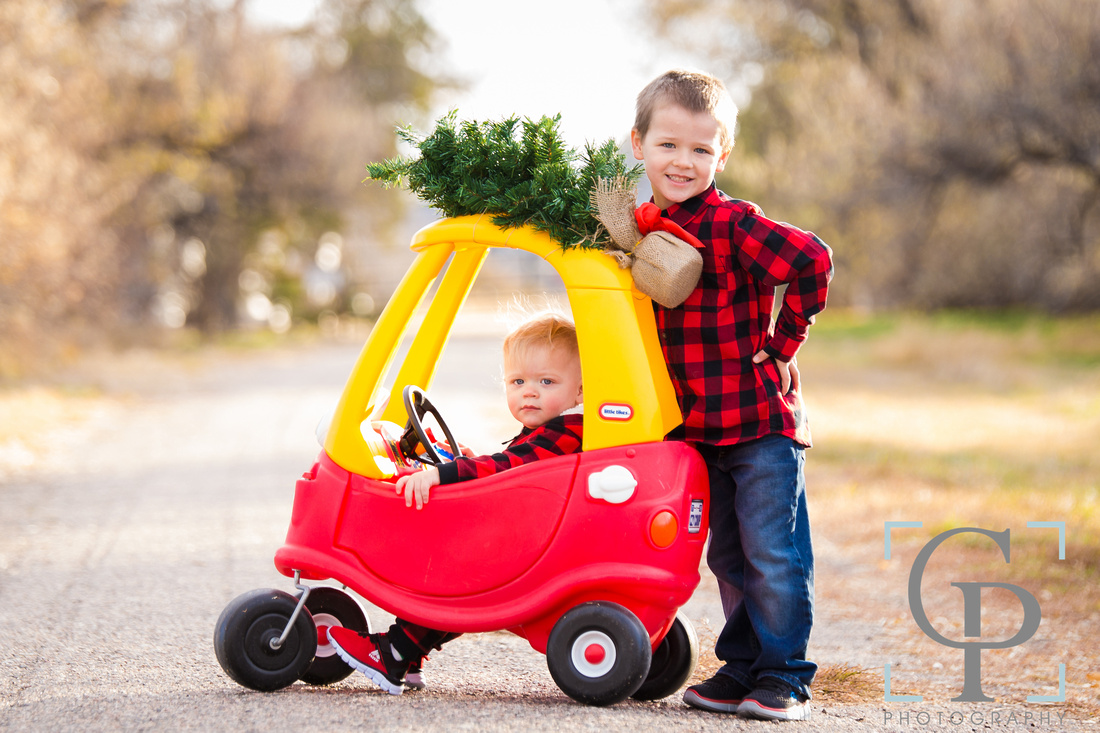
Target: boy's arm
[
  {"x": 775, "y": 254},
  {"x": 417, "y": 486},
  {"x": 556, "y": 438}
]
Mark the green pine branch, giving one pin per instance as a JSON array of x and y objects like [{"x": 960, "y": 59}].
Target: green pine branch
[{"x": 521, "y": 173}]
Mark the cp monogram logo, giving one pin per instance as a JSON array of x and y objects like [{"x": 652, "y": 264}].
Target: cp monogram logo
[{"x": 972, "y": 612}]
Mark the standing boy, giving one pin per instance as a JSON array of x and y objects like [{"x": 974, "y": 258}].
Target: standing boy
[{"x": 738, "y": 389}]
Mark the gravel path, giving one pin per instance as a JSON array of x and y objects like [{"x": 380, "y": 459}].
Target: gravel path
[{"x": 125, "y": 536}]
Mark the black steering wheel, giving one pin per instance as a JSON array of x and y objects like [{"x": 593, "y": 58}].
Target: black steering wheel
[{"x": 417, "y": 405}]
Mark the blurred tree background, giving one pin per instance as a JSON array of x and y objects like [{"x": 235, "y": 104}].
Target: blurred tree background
[
  {"x": 168, "y": 164},
  {"x": 949, "y": 151}
]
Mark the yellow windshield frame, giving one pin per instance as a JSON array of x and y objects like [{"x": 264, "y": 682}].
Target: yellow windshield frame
[{"x": 628, "y": 397}]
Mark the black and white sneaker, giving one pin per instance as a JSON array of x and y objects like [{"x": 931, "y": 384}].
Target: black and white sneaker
[
  {"x": 773, "y": 699},
  {"x": 720, "y": 694}
]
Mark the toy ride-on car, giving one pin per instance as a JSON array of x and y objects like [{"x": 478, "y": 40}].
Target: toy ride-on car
[{"x": 588, "y": 556}]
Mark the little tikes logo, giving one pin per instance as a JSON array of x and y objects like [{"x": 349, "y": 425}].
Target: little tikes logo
[
  {"x": 616, "y": 411},
  {"x": 972, "y": 613}
]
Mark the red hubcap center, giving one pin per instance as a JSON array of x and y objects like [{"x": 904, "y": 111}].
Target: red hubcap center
[
  {"x": 322, "y": 635},
  {"x": 594, "y": 654}
]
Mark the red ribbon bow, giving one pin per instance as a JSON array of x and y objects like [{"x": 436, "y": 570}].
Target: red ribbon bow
[{"x": 649, "y": 219}]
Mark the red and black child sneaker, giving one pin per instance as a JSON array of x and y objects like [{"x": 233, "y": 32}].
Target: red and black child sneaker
[{"x": 372, "y": 655}]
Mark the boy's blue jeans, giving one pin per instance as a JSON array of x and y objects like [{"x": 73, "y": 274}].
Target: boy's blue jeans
[{"x": 760, "y": 551}]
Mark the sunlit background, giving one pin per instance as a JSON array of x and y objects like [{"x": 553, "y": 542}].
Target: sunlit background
[
  {"x": 583, "y": 60},
  {"x": 190, "y": 260},
  {"x": 196, "y": 166}
]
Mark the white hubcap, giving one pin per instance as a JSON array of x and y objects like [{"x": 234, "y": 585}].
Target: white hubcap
[
  {"x": 325, "y": 621},
  {"x": 593, "y": 654}
]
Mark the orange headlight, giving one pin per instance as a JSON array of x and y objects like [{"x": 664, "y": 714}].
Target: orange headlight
[{"x": 663, "y": 528}]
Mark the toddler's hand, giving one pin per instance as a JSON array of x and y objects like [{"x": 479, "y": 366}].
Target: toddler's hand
[
  {"x": 788, "y": 371},
  {"x": 417, "y": 485},
  {"x": 462, "y": 450}
]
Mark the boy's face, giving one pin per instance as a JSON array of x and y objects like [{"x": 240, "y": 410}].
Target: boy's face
[
  {"x": 541, "y": 383},
  {"x": 682, "y": 151}
]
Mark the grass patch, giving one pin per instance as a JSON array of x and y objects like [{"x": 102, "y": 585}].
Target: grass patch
[
  {"x": 843, "y": 683},
  {"x": 942, "y": 342},
  {"x": 27, "y": 416},
  {"x": 849, "y": 325},
  {"x": 1069, "y": 483},
  {"x": 836, "y": 683},
  {"x": 708, "y": 664},
  {"x": 33, "y": 420},
  {"x": 963, "y": 419}
]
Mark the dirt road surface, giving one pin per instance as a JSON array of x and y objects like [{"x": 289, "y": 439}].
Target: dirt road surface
[{"x": 125, "y": 533}]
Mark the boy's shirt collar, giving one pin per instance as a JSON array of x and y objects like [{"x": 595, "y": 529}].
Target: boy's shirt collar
[{"x": 686, "y": 211}]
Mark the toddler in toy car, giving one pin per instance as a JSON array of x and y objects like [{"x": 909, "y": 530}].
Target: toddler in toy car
[{"x": 542, "y": 376}]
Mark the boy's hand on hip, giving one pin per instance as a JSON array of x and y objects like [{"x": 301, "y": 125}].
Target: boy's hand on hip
[
  {"x": 416, "y": 486},
  {"x": 788, "y": 371}
]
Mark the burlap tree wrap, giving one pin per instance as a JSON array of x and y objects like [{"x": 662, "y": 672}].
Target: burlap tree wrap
[{"x": 664, "y": 267}]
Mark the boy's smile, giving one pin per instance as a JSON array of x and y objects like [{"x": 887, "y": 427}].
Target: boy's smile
[{"x": 682, "y": 152}]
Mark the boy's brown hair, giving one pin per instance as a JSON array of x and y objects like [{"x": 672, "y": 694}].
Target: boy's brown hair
[
  {"x": 548, "y": 329},
  {"x": 694, "y": 91}
]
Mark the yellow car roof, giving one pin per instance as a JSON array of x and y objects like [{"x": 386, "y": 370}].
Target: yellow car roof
[{"x": 628, "y": 397}]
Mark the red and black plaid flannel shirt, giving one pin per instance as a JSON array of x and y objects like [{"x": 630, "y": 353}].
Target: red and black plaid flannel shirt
[
  {"x": 555, "y": 437},
  {"x": 709, "y": 340}
]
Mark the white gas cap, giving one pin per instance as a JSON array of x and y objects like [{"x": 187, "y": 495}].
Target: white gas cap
[{"x": 614, "y": 484}]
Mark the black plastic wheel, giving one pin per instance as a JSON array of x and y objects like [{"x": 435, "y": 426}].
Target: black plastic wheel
[
  {"x": 598, "y": 653},
  {"x": 331, "y": 607},
  {"x": 674, "y": 660},
  {"x": 243, "y": 636}
]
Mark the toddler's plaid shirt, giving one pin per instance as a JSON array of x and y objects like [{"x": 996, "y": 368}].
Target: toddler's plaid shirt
[
  {"x": 710, "y": 339},
  {"x": 556, "y": 437}
]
